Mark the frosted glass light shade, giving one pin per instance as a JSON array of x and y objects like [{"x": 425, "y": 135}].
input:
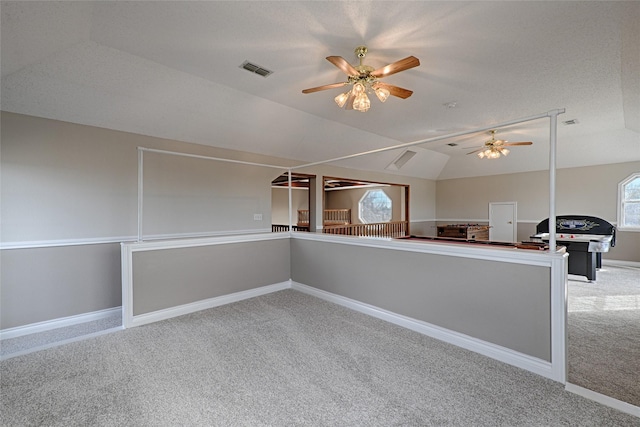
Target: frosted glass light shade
[
  {"x": 361, "y": 103},
  {"x": 342, "y": 99},
  {"x": 382, "y": 94}
]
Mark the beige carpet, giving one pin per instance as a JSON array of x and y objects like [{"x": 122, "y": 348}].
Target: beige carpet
[
  {"x": 604, "y": 333},
  {"x": 283, "y": 359}
]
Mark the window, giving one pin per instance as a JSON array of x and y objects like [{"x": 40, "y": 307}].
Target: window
[
  {"x": 374, "y": 206},
  {"x": 629, "y": 203}
]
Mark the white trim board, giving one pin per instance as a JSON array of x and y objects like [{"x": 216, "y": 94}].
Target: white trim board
[
  {"x": 180, "y": 310},
  {"x": 483, "y": 252},
  {"x": 31, "y": 244},
  {"x": 62, "y": 322},
  {"x": 617, "y": 263},
  {"x": 604, "y": 399},
  {"x": 503, "y": 354},
  {"x": 62, "y": 342},
  {"x": 150, "y": 245}
]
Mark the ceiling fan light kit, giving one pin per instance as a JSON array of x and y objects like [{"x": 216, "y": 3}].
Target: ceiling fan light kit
[
  {"x": 364, "y": 80},
  {"x": 493, "y": 153},
  {"x": 494, "y": 148}
]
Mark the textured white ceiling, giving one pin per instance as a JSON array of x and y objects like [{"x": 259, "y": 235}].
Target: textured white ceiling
[{"x": 171, "y": 69}]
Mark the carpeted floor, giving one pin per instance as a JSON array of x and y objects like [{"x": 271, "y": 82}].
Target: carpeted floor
[
  {"x": 12, "y": 347},
  {"x": 604, "y": 333},
  {"x": 281, "y": 359}
]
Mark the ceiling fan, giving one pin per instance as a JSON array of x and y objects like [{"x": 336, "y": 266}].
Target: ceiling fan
[
  {"x": 493, "y": 148},
  {"x": 365, "y": 79}
]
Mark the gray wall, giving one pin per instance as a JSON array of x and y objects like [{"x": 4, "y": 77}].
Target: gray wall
[
  {"x": 63, "y": 181},
  {"x": 171, "y": 277},
  {"x": 590, "y": 190},
  {"x": 187, "y": 195},
  {"x": 40, "y": 284},
  {"x": 68, "y": 184},
  {"x": 502, "y": 303},
  {"x": 280, "y": 204}
]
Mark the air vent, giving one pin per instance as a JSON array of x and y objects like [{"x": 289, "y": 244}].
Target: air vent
[
  {"x": 570, "y": 122},
  {"x": 398, "y": 163},
  {"x": 452, "y": 144},
  {"x": 249, "y": 66}
]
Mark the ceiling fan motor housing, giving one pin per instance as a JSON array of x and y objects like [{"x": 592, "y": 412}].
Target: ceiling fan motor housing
[{"x": 361, "y": 51}]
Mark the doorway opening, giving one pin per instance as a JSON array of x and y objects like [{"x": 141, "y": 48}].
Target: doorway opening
[
  {"x": 302, "y": 185},
  {"x": 365, "y": 208}
]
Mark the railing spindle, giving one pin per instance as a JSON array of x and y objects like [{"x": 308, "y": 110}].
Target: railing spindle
[{"x": 380, "y": 229}]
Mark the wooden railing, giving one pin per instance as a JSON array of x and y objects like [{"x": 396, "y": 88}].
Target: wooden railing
[
  {"x": 303, "y": 217},
  {"x": 378, "y": 229},
  {"x": 275, "y": 228},
  {"x": 331, "y": 217},
  {"x": 337, "y": 216}
]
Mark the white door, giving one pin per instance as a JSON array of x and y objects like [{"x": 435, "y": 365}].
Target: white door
[{"x": 503, "y": 221}]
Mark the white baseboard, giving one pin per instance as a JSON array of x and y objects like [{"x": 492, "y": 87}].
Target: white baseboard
[
  {"x": 603, "y": 399},
  {"x": 62, "y": 322},
  {"x": 617, "y": 263},
  {"x": 62, "y": 342},
  {"x": 167, "y": 313},
  {"x": 511, "y": 357}
]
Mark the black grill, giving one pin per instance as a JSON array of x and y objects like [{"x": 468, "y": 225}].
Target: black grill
[{"x": 585, "y": 238}]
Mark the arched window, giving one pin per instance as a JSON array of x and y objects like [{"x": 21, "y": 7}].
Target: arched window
[
  {"x": 375, "y": 206},
  {"x": 629, "y": 203}
]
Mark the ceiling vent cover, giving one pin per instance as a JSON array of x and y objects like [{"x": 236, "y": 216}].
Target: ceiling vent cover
[
  {"x": 249, "y": 66},
  {"x": 401, "y": 160}
]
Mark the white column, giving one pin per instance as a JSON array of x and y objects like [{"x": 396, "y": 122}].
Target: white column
[
  {"x": 290, "y": 201},
  {"x": 140, "y": 191},
  {"x": 553, "y": 134}
]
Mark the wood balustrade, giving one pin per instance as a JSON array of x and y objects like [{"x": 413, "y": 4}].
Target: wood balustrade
[
  {"x": 331, "y": 217},
  {"x": 275, "y": 228},
  {"x": 337, "y": 216},
  {"x": 378, "y": 229},
  {"x": 303, "y": 217}
]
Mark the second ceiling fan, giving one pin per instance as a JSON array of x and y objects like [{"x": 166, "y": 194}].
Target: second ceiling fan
[
  {"x": 365, "y": 79},
  {"x": 494, "y": 148}
]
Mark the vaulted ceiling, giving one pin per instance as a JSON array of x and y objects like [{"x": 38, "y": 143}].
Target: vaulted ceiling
[{"x": 172, "y": 70}]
